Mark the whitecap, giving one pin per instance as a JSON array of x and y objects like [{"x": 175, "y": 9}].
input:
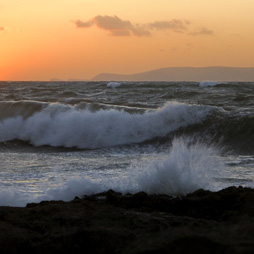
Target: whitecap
[
  {"x": 66, "y": 126},
  {"x": 209, "y": 83},
  {"x": 114, "y": 84}
]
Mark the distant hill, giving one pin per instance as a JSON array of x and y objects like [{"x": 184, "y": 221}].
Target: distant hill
[{"x": 184, "y": 74}]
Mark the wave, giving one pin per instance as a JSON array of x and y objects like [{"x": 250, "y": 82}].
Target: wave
[
  {"x": 94, "y": 125},
  {"x": 25, "y": 109},
  {"x": 114, "y": 84},
  {"x": 210, "y": 83},
  {"x": 184, "y": 169},
  {"x": 61, "y": 125},
  {"x": 187, "y": 167},
  {"x": 233, "y": 131},
  {"x": 237, "y": 132}
]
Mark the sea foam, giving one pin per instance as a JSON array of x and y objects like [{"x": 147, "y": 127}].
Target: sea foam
[
  {"x": 185, "y": 168},
  {"x": 114, "y": 84},
  {"x": 209, "y": 83},
  {"x": 66, "y": 126}
]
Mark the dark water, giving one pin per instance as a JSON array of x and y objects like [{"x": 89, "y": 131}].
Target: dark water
[{"x": 62, "y": 139}]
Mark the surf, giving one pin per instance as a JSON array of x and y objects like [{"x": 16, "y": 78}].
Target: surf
[{"x": 61, "y": 125}]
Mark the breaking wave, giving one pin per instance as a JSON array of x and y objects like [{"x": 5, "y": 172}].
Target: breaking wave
[
  {"x": 210, "y": 83},
  {"x": 61, "y": 125},
  {"x": 184, "y": 169},
  {"x": 114, "y": 84}
]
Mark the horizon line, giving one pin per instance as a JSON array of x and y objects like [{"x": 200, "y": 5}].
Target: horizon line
[{"x": 86, "y": 79}]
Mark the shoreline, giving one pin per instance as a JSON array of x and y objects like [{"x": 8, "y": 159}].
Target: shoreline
[{"x": 109, "y": 222}]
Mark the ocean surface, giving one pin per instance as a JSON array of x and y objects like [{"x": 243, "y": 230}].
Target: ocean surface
[{"x": 59, "y": 140}]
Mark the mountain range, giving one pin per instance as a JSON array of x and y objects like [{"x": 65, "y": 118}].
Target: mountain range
[{"x": 184, "y": 74}]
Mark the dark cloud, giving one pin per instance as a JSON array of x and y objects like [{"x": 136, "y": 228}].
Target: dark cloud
[
  {"x": 202, "y": 31},
  {"x": 118, "y": 27},
  {"x": 115, "y": 25},
  {"x": 112, "y": 23}
]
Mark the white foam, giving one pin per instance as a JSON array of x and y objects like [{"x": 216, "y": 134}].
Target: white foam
[
  {"x": 61, "y": 125},
  {"x": 184, "y": 169},
  {"x": 209, "y": 83},
  {"x": 114, "y": 84},
  {"x": 15, "y": 196}
]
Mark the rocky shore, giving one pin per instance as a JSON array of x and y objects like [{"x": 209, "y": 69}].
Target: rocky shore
[{"x": 201, "y": 222}]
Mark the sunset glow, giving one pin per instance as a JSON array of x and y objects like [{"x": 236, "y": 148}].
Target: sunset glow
[{"x": 75, "y": 39}]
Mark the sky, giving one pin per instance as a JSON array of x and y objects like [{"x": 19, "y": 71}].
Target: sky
[{"x": 78, "y": 39}]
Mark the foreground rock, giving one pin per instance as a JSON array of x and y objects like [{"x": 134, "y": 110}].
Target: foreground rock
[{"x": 201, "y": 222}]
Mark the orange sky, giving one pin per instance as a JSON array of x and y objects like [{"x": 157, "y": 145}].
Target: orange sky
[{"x": 69, "y": 39}]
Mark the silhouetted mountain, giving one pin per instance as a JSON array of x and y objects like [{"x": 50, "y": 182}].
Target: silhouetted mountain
[{"x": 184, "y": 74}]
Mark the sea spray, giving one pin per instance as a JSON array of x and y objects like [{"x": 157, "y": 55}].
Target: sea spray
[
  {"x": 66, "y": 126},
  {"x": 187, "y": 168},
  {"x": 91, "y": 115},
  {"x": 184, "y": 169}
]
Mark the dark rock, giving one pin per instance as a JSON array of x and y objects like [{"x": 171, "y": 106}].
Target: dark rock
[{"x": 109, "y": 222}]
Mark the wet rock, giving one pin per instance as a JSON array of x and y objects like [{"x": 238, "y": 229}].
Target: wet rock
[{"x": 109, "y": 222}]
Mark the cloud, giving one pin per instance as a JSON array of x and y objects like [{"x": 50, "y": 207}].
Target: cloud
[
  {"x": 174, "y": 24},
  {"x": 202, "y": 31},
  {"x": 120, "y": 32},
  {"x": 115, "y": 25},
  {"x": 81, "y": 24},
  {"x": 119, "y": 27},
  {"x": 112, "y": 23}
]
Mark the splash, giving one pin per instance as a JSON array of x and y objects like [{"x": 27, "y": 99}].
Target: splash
[
  {"x": 184, "y": 169},
  {"x": 66, "y": 126},
  {"x": 187, "y": 168}
]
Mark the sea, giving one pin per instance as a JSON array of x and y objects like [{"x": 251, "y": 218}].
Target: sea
[{"x": 61, "y": 140}]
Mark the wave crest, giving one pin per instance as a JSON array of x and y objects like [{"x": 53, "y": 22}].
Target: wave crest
[
  {"x": 66, "y": 126},
  {"x": 210, "y": 83}
]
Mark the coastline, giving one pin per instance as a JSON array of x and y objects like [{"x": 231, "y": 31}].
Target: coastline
[{"x": 109, "y": 222}]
